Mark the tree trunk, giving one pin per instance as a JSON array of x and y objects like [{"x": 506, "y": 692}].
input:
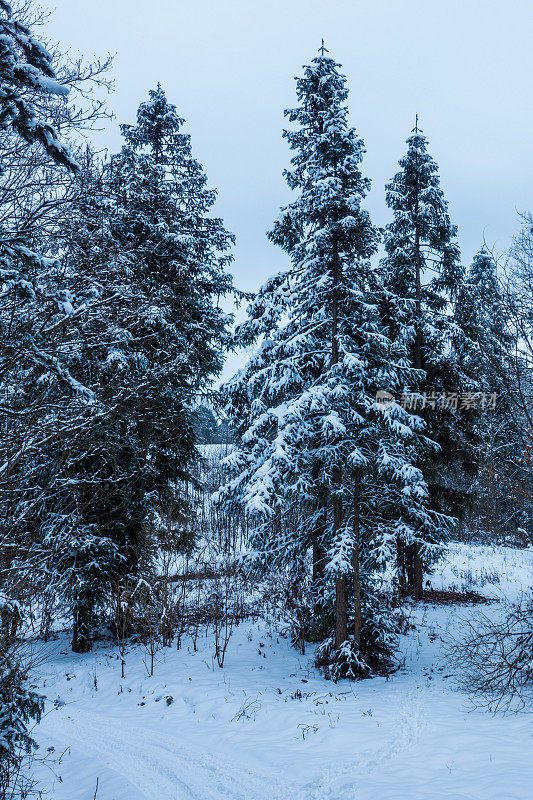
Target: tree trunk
[
  {"x": 318, "y": 562},
  {"x": 341, "y": 622},
  {"x": 356, "y": 564},
  {"x": 341, "y": 619},
  {"x": 81, "y": 640},
  {"x": 318, "y": 551},
  {"x": 417, "y": 568},
  {"x": 418, "y": 586},
  {"x": 410, "y": 559},
  {"x": 400, "y": 566}
]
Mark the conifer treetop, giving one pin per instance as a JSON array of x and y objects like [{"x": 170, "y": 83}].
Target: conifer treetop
[
  {"x": 417, "y": 200},
  {"x": 158, "y": 124},
  {"x": 325, "y": 223},
  {"x": 180, "y": 250},
  {"x": 483, "y": 271},
  {"x": 325, "y": 166},
  {"x": 482, "y": 339}
]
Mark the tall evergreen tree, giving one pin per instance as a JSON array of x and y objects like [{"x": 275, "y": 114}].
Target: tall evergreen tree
[
  {"x": 78, "y": 507},
  {"x": 318, "y": 463},
  {"x": 423, "y": 277},
  {"x": 166, "y": 341},
  {"x": 178, "y": 250},
  {"x": 484, "y": 347},
  {"x": 150, "y": 260},
  {"x": 482, "y": 343}
]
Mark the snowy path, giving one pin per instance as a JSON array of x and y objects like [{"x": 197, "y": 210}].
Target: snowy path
[
  {"x": 158, "y": 765},
  {"x": 268, "y": 727}
]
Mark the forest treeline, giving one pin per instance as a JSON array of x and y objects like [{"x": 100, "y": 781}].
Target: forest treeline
[{"x": 385, "y": 407}]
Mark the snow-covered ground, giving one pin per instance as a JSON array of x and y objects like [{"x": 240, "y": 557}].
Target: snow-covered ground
[{"x": 268, "y": 727}]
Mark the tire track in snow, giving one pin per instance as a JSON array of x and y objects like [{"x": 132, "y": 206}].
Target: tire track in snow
[{"x": 159, "y": 766}]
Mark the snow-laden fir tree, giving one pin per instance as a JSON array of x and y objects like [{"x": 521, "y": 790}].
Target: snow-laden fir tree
[
  {"x": 319, "y": 465},
  {"x": 86, "y": 486},
  {"x": 179, "y": 251},
  {"x": 166, "y": 342},
  {"x": 144, "y": 247},
  {"x": 483, "y": 342},
  {"x": 485, "y": 347},
  {"x": 54, "y": 515},
  {"x": 423, "y": 277},
  {"x": 20, "y": 707}
]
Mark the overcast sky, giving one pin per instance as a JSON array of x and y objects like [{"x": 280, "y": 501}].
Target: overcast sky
[{"x": 464, "y": 66}]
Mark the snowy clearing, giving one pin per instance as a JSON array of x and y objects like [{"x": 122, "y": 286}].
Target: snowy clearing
[{"x": 268, "y": 725}]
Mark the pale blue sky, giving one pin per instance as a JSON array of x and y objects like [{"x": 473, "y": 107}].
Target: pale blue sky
[{"x": 464, "y": 66}]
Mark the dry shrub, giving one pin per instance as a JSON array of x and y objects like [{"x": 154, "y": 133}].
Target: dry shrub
[
  {"x": 289, "y": 601},
  {"x": 495, "y": 657}
]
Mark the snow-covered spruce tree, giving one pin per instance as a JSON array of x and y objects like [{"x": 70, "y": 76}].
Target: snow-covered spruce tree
[
  {"x": 177, "y": 250},
  {"x": 19, "y": 707},
  {"x": 148, "y": 344},
  {"x": 483, "y": 343},
  {"x": 423, "y": 276},
  {"x": 484, "y": 346},
  {"x": 50, "y": 416},
  {"x": 85, "y": 488},
  {"x": 169, "y": 333},
  {"x": 318, "y": 464},
  {"x": 177, "y": 255}
]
